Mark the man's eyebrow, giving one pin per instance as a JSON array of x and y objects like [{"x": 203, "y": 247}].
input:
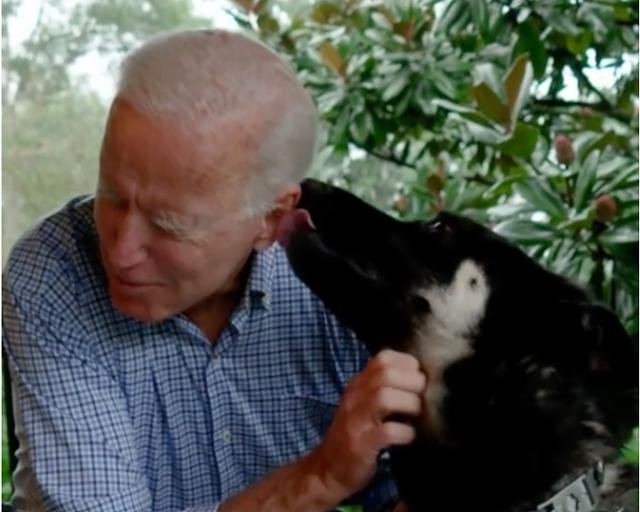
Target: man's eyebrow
[{"x": 171, "y": 219}]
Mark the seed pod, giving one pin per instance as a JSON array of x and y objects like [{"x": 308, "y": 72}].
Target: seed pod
[
  {"x": 564, "y": 149},
  {"x": 606, "y": 208}
]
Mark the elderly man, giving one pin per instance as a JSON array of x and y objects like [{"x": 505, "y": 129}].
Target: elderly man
[{"x": 163, "y": 355}]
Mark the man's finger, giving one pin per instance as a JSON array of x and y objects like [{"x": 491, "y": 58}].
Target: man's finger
[
  {"x": 391, "y": 433},
  {"x": 408, "y": 380},
  {"x": 394, "y": 358},
  {"x": 386, "y": 401}
]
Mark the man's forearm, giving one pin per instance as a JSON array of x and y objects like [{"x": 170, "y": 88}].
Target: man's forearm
[{"x": 300, "y": 486}]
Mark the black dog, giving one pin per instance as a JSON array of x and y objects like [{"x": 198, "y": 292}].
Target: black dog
[{"x": 532, "y": 386}]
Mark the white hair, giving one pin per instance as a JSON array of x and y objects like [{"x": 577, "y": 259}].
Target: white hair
[{"x": 197, "y": 76}]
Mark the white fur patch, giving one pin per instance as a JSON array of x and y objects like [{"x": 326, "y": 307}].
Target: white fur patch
[{"x": 444, "y": 336}]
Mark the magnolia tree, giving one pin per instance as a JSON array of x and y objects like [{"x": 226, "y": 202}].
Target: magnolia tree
[{"x": 521, "y": 114}]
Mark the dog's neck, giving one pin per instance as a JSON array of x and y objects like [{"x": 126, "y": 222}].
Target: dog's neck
[{"x": 583, "y": 490}]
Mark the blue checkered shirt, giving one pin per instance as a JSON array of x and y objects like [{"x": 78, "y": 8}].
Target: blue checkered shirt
[{"x": 117, "y": 415}]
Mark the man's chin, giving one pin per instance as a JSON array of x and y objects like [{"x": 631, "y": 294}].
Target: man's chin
[{"x": 143, "y": 312}]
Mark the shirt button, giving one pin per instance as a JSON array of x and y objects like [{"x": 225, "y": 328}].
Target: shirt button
[{"x": 226, "y": 436}]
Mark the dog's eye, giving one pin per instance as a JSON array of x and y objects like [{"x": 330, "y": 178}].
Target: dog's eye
[
  {"x": 439, "y": 226},
  {"x": 420, "y": 304}
]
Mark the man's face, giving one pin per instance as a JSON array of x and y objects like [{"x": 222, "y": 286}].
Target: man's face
[{"x": 166, "y": 210}]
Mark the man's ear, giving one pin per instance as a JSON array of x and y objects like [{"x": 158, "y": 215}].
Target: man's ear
[{"x": 284, "y": 203}]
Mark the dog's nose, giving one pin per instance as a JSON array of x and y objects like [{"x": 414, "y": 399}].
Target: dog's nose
[{"x": 296, "y": 221}]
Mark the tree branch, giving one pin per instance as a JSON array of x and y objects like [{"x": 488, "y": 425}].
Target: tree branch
[
  {"x": 577, "y": 70},
  {"x": 603, "y": 107}
]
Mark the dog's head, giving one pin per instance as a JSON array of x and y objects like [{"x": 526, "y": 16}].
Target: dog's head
[{"x": 448, "y": 291}]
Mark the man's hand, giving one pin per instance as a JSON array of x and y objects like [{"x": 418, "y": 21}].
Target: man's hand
[
  {"x": 345, "y": 461},
  {"x": 392, "y": 383}
]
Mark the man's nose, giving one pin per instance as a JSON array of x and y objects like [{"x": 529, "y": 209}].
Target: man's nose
[{"x": 129, "y": 242}]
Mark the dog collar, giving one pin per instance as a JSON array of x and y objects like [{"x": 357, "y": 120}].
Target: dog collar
[{"x": 581, "y": 495}]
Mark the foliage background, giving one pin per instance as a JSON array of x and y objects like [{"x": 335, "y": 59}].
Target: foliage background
[{"x": 519, "y": 113}]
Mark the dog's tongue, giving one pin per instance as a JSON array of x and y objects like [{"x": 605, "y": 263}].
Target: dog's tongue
[{"x": 292, "y": 222}]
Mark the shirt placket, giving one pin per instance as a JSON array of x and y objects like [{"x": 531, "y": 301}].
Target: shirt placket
[{"x": 221, "y": 406}]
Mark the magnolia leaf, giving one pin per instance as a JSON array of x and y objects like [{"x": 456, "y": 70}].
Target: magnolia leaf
[
  {"x": 332, "y": 58},
  {"x": 586, "y": 181},
  {"x": 522, "y": 142},
  {"x": 395, "y": 87},
  {"x": 539, "y": 194},
  {"x": 529, "y": 41},
  {"x": 517, "y": 84},
  {"x": 526, "y": 232},
  {"x": 489, "y": 103}
]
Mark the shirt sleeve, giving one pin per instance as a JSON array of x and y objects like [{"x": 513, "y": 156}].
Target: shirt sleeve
[
  {"x": 381, "y": 495},
  {"x": 77, "y": 445}
]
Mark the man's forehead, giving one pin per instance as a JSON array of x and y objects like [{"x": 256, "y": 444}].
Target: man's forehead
[{"x": 218, "y": 148}]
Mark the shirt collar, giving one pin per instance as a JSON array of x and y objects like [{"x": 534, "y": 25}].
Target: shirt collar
[{"x": 260, "y": 282}]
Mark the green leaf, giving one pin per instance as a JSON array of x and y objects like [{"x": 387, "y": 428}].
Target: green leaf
[
  {"x": 624, "y": 179},
  {"x": 583, "y": 220},
  {"x": 508, "y": 210},
  {"x": 377, "y": 36},
  {"x": 453, "y": 107},
  {"x": 381, "y": 21},
  {"x": 489, "y": 103},
  {"x": 539, "y": 194},
  {"x": 526, "y": 232},
  {"x": 443, "y": 84},
  {"x": 579, "y": 44},
  {"x": 395, "y": 87},
  {"x": 622, "y": 12},
  {"x": 630, "y": 450},
  {"x": 504, "y": 186},
  {"x": 268, "y": 24},
  {"x": 488, "y": 73},
  {"x": 480, "y": 15},
  {"x": 324, "y": 12},
  {"x": 618, "y": 236},
  {"x": 609, "y": 138},
  {"x": 586, "y": 181},
  {"x": 522, "y": 142},
  {"x": 563, "y": 24},
  {"x": 517, "y": 84},
  {"x": 455, "y": 15},
  {"x": 484, "y": 134},
  {"x": 361, "y": 126},
  {"x": 477, "y": 118},
  {"x": 529, "y": 41},
  {"x": 332, "y": 58}
]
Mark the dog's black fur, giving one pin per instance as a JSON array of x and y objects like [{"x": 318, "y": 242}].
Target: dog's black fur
[{"x": 547, "y": 389}]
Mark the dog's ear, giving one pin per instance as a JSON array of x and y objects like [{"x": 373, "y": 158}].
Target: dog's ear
[
  {"x": 596, "y": 345},
  {"x": 613, "y": 369},
  {"x": 612, "y": 356}
]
